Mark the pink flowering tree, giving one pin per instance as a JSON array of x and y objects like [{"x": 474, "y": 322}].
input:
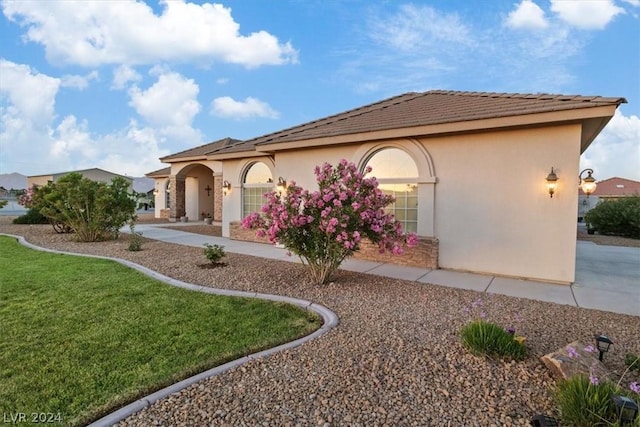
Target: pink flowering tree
[{"x": 326, "y": 226}]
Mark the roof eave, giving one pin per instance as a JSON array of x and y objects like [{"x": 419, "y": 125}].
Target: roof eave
[
  {"x": 481, "y": 125},
  {"x": 237, "y": 155}
]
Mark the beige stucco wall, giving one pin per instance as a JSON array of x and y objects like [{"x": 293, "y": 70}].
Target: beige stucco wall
[
  {"x": 485, "y": 197},
  {"x": 493, "y": 210}
]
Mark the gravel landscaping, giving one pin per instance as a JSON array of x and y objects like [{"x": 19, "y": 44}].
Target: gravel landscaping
[{"x": 395, "y": 359}]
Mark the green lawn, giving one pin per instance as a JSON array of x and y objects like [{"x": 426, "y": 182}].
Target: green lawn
[{"x": 81, "y": 336}]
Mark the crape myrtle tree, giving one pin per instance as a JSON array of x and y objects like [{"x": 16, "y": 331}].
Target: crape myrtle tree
[
  {"x": 326, "y": 226},
  {"x": 93, "y": 211}
]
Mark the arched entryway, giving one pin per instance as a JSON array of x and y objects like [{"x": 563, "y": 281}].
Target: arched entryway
[{"x": 196, "y": 193}]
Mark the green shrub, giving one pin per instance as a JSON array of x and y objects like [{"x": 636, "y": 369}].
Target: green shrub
[
  {"x": 619, "y": 217},
  {"x": 94, "y": 211},
  {"x": 135, "y": 244},
  {"x": 487, "y": 338},
  {"x": 587, "y": 402},
  {"x": 632, "y": 361},
  {"x": 214, "y": 253},
  {"x": 33, "y": 216},
  {"x": 3, "y": 203}
]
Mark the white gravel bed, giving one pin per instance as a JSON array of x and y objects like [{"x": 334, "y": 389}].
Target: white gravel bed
[{"x": 395, "y": 359}]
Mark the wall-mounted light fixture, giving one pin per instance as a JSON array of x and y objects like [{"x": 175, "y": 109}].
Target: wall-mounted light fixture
[
  {"x": 552, "y": 182},
  {"x": 282, "y": 184},
  {"x": 588, "y": 184},
  {"x": 226, "y": 187}
]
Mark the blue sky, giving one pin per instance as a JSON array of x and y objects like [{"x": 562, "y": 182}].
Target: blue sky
[{"x": 118, "y": 84}]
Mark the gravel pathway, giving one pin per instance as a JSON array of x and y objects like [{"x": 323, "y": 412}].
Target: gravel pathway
[{"x": 395, "y": 359}]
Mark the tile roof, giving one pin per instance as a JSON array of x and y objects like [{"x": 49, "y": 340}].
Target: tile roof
[
  {"x": 159, "y": 173},
  {"x": 616, "y": 187},
  {"x": 202, "y": 150},
  {"x": 427, "y": 108}
]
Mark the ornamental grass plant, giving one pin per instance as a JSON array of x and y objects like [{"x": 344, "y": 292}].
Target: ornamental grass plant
[{"x": 487, "y": 338}]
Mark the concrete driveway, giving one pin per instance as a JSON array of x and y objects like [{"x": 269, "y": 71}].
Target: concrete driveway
[{"x": 607, "y": 275}]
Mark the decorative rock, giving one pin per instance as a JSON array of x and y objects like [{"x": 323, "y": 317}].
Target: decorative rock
[{"x": 574, "y": 359}]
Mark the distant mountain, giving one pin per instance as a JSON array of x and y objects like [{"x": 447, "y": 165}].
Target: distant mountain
[
  {"x": 13, "y": 180},
  {"x": 143, "y": 185}
]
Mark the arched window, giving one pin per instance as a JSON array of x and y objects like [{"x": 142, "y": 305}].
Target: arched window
[
  {"x": 397, "y": 175},
  {"x": 257, "y": 181},
  {"x": 167, "y": 195}
]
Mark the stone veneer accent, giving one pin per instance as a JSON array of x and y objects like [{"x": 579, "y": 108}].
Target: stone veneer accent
[
  {"x": 165, "y": 213},
  {"x": 217, "y": 198},
  {"x": 424, "y": 255},
  {"x": 236, "y": 232}
]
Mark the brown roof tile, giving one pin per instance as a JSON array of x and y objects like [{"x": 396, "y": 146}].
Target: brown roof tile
[
  {"x": 429, "y": 108},
  {"x": 159, "y": 173},
  {"x": 202, "y": 150},
  {"x": 616, "y": 187}
]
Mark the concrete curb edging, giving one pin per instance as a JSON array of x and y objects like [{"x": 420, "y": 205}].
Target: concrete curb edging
[{"x": 330, "y": 321}]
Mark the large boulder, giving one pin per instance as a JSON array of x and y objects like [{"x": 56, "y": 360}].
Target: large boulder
[{"x": 575, "y": 359}]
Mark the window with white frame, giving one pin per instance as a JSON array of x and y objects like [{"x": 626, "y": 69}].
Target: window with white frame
[
  {"x": 257, "y": 181},
  {"x": 167, "y": 195},
  {"x": 397, "y": 175}
]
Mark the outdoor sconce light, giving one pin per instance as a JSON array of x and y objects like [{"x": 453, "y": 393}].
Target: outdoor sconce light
[
  {"x": 626, "y": 409},
  {"x": 603, "y": 342},
  {"x": 226, "y": 187},
  {"x": 282, "y": 184},
  {"x": 588, "y": 184},
  {"x": 155, "y": 192},
  {"x": 552, "y": 182}
]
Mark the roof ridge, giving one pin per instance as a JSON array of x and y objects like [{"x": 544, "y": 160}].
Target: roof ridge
[
  {"x": 329, "y": 119},
  {"x": 517, "y": 95}
]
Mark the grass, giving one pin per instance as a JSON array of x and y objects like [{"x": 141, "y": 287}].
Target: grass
[{"x": 81, "y": 336}]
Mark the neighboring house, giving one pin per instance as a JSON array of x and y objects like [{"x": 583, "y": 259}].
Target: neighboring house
[
  {"x": 4, "y": 192},
  {"x": 94, "y": 174},
  {"x": 608, "y": 189},
  {"x": 468, "y": 171}
]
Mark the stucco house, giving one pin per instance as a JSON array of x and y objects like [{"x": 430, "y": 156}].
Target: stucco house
[
  {"x": 468, "y": 170},
  {"x": 607, "y": 189},
  {"x": 94, "y": 174}
]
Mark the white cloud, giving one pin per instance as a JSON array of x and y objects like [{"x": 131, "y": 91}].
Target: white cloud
[
  {"x": 527, "y": 15},
  {"x": 79, "y": 82},
  {"x": 92, "y": 33},
  {"x": 586, "y": 15},
  {"x": 19, "y": 84},
  {"x": 419, "y": 27},
  {"x": 634, "y": 3},
  {"x": 616, "y": 151},
  {"x": 33, "y": 141},
  {"x": 251, "y": 107},
  {"x": 123, "y": 75},
  {"x": 171, "y": 101}
]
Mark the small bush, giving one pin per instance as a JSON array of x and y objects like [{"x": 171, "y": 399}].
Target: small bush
[
  {"x": 487, "y": 338},
  {"x": 632, "y": 361},
  {"x": 135, "y": 244},
  {"x": 214, "y": 253},
  {"x": 33, "y": 216},
  {"x": 619, "y": 217}
]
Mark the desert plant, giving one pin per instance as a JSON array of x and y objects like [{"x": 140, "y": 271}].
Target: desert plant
[
  {"x": 3, "y": 203},
  {"x": 33, "y": 216},
  {"x": 214, "y": 253},
  {"x": 618, "y": 217},
  {"x": 135, "y": 244},
  {"x": 482, "y": 337},
  {"x": 326, "y": 226},
  {"x": 93, "y": 210},
  {"x": 632, "y": 361}
]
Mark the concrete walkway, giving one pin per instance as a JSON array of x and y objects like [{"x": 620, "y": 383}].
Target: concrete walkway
[{"x": 607, "y": 277}]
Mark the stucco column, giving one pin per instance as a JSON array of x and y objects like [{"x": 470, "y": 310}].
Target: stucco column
[{"x": 177, "y": 197}]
